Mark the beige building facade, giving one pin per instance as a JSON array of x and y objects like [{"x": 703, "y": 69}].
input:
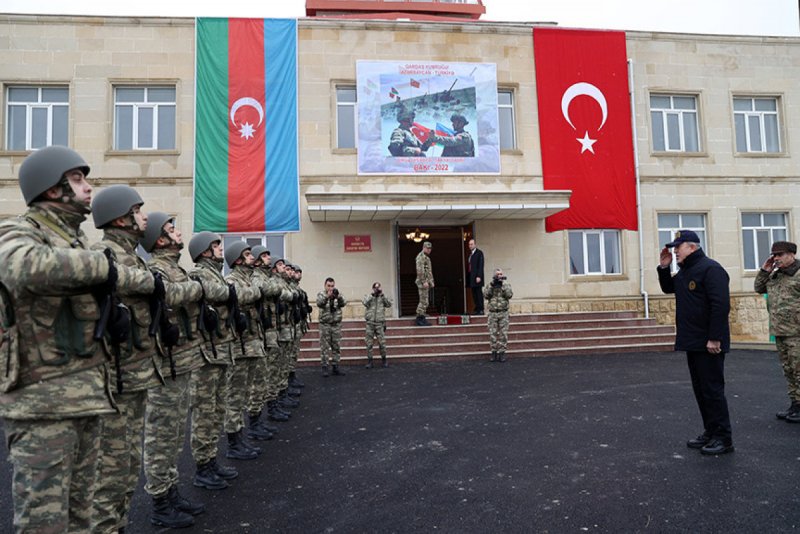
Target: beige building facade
[{"x": 716, "y": 133}]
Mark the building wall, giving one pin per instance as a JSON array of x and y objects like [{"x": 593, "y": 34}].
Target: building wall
[{"x": 91, "y": 54}]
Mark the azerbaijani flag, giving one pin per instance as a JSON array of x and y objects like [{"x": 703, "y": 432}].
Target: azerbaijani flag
[{"x": 246, "y": 170}]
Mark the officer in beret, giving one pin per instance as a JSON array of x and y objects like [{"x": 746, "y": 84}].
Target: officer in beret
[
  {"x": 778, "y": 278},
  {"x": 702, "y": 304}
]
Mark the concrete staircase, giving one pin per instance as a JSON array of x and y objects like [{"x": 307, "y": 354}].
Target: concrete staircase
[{"x": 529, "y": 335}]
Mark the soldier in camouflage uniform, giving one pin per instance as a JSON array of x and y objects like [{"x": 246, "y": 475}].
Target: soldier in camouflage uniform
[
  {"x": 779, "y": 279},
  {"x": 375, "y": 305},
  {"x": 247, "y": 350},
  {"x": 207, "y": 384},
  {"x": 117, "y": 211},
  {"x": 168, "y": 406},
  {"x": 424, "y": 282},
  {"x": 330, "y": 303},
  {"x": 305, "y": 309},
  {"x": 460, "y": 144},
  {"x": 286, "y": 394},
  {"x": 277, "y": 410},
  {"x": 51, "y": 409},
  {"x": 403, "y": 142},
  {"x": 498, "y": 292}
]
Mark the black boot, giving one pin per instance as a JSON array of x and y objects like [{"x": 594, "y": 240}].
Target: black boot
[
  {"x": 384, "y": 361},
  {"x": 794, "y": 407},
  {"x": 501, "y": 356},
  {"x": 237, "y": 450},
  {"x": 223, "y": 471},
  {"x": 295, "y": 382},
  {"x": 184, "y": 505},
  {"x": 255, "y": 431},
  {"x": 369, "y": 362},
  {"x": 325, "y": 372},
  {"x": 494, "y": 356},
  {"x": 275, "y": 414},
  {"x": 166, "y": 515},
  {"x": 337, "y": 371},
  {"x": 263, "y": 424},
  {"x": 285, "y": 401},
  {"x": 293, "y": 392},
  {"x": 206, "y": 477}
]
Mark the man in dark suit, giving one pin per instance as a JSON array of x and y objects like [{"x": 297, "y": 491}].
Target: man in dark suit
[{"x": 475, "y": 276}]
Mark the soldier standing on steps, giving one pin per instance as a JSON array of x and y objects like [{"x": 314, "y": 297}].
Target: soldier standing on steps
[
  {"x": 424, "y": 282},
  {"x": 375, "y": 305},
  {"x": 498, "y": 293},
  {"x": 330, "y": 304}
]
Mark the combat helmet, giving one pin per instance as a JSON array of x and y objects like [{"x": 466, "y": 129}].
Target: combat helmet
[
  {"x": 234, "y": 251},
  {"x": 113, "y": 202},
  {"x": 258, "y": 250},
  {"x": 459, "y": 117},
  {"x": 45, "y": 167},
  {"x": 405, "y": 115},
  {"x": 155, "y": 229},
  {"x": 201, "y": 242}
]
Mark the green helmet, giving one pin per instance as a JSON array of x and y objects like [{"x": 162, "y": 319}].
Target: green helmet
[
  {"x": 406, "y": 116},
  {"x": 45, "y": 167},
  {"x": 201, "y": 242},
  {"x": 459, "y": 117},
  {"x": 155, "y": 227},
  {"x": 113, "y": 202},
  {"x": 234, "y": 251},
  {"x": 258, "y": 250}
]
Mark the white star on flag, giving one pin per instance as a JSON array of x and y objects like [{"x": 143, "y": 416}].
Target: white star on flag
[
  {"x": 586, "y": 143},
  {"x": 247, "y": 130}
]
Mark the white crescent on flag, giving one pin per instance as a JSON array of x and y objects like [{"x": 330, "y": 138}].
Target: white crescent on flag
[
  {"x": 584, "y": 89},
  {"x": 247, "y": 129}
]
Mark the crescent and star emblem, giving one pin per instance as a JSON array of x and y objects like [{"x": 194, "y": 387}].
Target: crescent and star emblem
[
  {"x": 584, "y": 89},
  {"x": 247, "y": 130}
]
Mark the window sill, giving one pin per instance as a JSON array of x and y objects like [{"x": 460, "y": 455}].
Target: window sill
[
  {"x": 511, "y": 152},
  {"x": 597, "y": 278},
  {"x": 345, "y": 151},
  {"x": 128, "y": 153},
  {"x": 760, "y": 155},
  {"x": 677, "y": 154}
]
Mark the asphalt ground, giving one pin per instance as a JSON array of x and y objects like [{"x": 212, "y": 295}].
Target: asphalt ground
[{"x": 559, "y": 444}]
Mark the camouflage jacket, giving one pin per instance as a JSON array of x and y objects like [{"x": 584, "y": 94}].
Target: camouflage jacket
[
  {"x": 424, "y": 269},
  {"x": 330, "y": 310},
  {"x": 48, "y": 271},
  {"x": 274, "y": 297},
  {"x": 783, "y": 288},
  {"x": 498, "y": 297},
  {"x": 375, "y": 307},
  {"x": 248, "y": 294},
  {"x": 209, "y": 273},
  {"x": 404, "y": 143},
  {"x": 183, "y": 295},
  {"x": 138, "y": 356},
  {"x": 459, "y": 145}
]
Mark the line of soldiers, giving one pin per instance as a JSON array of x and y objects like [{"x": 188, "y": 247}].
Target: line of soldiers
[{"x": 101, "y": 348}]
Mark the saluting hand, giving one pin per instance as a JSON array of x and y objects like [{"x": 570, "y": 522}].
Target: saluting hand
[{"x": 665, "y": 259}]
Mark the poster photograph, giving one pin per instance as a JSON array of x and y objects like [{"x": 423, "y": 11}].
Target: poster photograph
[{"x": 427, "y": 118}]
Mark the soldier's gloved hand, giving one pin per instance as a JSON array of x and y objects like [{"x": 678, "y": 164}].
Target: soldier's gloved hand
[
  {"x": 102, "y": 290},
  {"x": 159, "y": 290},
  {"x": 210, "y": 319},
  {"x": 119, "y": 324}
]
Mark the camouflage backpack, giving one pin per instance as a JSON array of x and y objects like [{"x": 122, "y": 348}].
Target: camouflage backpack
[{"x": 9, "y": 342}]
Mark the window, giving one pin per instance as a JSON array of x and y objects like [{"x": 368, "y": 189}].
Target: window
[
  {"x": 593, "y": 252},
  {"x": 669, "y": 223},
  {"x": 675, "y": 127},
  {"x": 144, "y": 118},
  {"x": 37, "y": 117},
  {"x": 273, "y": 242},
  {"x": 756, "y": 122},
  {"x": 346, "y": 117},
  {"x": 759, "y": 231},
  {"x": 505, "y": 115}
]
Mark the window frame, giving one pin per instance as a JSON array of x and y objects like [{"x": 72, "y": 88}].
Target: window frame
[
  {"x": 702, "y": 232},
  {"x": 759, "y": 115},
  {"x": 354, "y": 105},
  {"x": 268, "y": 240},
  {"x": 603, "y": 263},
  {"x": 772, "y": 237},
  {"x": 513, "y": 92},
  {"x": 145, "y": 104},
  {"x": 29, "y": 107},
  {"x": 665, "y": 113}
]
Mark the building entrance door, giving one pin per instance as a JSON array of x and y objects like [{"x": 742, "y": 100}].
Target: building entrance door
[{"x": 447, "y": 257}]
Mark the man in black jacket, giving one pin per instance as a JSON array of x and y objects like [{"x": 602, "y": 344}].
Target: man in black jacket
[
  {"x": 475, "y": 276},
  {"x": 702, "y": 304}
]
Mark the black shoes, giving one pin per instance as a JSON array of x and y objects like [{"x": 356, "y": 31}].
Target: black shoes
[
  {"x": 369, "y": 363},
  {"x": 494, "y": 356},
  {"x": 792, "y": 409},
  {"x": 384, "y": 361},
  {"x": 336, "y": 371},
  {"x": 223, "y": 471},
  {"x": 206, "y": 477},
  {"x": 699, "y": 442},
  {"x": 238, "y": 449},
  {"x": 421, "y": 321},
  {"x": 295, "y": 382},
  {"x": 182, "y": 504},
  {"x": 166, "y": 515},
  {"x": 716, "y": 447},
  {"x": 326, "y": 371},
  {"x": 501, "y": 356}
]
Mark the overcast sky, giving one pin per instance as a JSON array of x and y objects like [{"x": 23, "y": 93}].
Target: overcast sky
[{"x": 740, "y": 17}]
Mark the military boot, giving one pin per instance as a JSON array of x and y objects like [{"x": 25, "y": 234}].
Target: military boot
[
  {"x": 263, "y": 424},
  {"x": 285, "y": 401},
  {"x": 166, "y": 515},
  {"x": 369, "y": 362},
  {"x": 295, "y": 382},
  {"x": 336, "y": 371},
  {"x": 325, "y": 372},
  {"x": 274, "y": 414},
  {"x": 255, "y": 448},
  {"x": 384, "y": 361},
  {"x": 183, "y": 504},
  {"x": 293, "y": 392},
  {"x": 237, "y": 450},
  {"x": 794, "y": 407},
  {"x": 793, "y": 417},
  {"x": 494, "y": 356},
  {"x": 206, "y": 477},
  {"x": 501, "y": 356},
  {"x": 223, "y": 471},
  {"x": 255, "y": 431}
]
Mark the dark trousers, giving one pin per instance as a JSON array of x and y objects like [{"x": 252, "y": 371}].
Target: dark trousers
[
  {"x": 477, "y": 298},
  {"x": 708, "y": 383}
]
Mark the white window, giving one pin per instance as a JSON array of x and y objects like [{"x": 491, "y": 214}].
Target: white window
[
  {"x": 346, "y": 117},
  {"x": 36, "y": 117},
  {"x": 669, "y": 223},
  {"x": 759, "y": 231},
  {"x": 675, "y": 125},
  {"x": 756, "y": 122},
  {"x": 593, "y": 252},
  {"x": 505, "y": 116},
  {"x": 273, "y": 242},
  {"x": 144, "y": 118}
]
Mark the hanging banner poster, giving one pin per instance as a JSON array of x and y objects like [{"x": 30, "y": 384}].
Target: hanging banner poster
[{"x": 427, "y": 118}]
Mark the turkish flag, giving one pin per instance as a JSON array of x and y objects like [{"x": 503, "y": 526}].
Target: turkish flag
[{"x": 585, "y": 127}]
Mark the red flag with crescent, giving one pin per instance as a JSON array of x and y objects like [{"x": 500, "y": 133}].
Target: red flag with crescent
[{"x": 585, "y": 127}]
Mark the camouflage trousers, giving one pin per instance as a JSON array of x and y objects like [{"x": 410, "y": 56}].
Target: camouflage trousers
[
  {"x": 330, "y": 336},
  {"x": 119, "y": 462},
  {"x": 424, "y": 294},
  {"x": 207, "y": 405},
  {"x": 789, "y": 353},
  {"x": 164, "y": 432},
  {"x": 237, "y": 385},
  {"x": 258, "y": 386},
  {"x": 498, "y": 330},
  {"x": 375, "y": 331},
  {"x": 273, "y": 373},
  {"x": 54, "y": 465},
  {"x": 284, "y": 364}
]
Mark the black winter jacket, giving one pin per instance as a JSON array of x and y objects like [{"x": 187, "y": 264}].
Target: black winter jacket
[{"x": 702, "y": 302}]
